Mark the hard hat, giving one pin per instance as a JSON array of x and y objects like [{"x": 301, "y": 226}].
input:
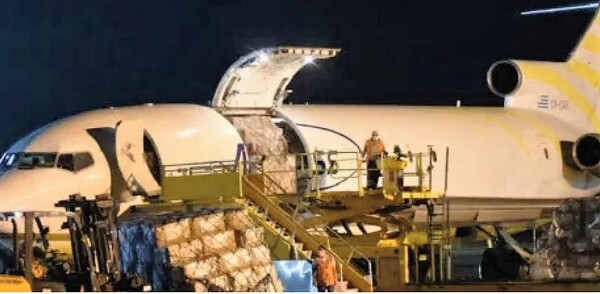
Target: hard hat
[{"x": 374, "y": 133}]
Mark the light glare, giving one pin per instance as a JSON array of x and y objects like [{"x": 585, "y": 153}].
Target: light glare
[
  {"x": 561, "y": 9},
  {"x": 263, "y": 57},
  {"x": 309, "y": 59}
]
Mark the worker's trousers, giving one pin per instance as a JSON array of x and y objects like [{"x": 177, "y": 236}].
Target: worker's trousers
[{"x": 373, "y": 174}]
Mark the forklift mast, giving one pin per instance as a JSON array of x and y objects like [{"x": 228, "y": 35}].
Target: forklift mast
[{"x": 94, "y": 242}]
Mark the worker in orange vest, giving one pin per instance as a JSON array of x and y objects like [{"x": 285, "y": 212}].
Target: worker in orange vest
[
  {"x": 371, "y": 153},
  {"x": 326, "y": 272}
]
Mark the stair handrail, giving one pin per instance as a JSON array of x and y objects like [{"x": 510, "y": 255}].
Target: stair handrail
[
  {"x": 337, "y": 236},
  {"x": 330, "y": 231},
  {"x": 301, "y": 233}
]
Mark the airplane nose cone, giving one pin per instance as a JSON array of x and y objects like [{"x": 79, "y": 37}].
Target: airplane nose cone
[
  {"x": 29, "y": 190},
  {"x": 19, "y": 193}
]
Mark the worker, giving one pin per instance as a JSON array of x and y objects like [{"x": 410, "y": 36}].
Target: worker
[
  {"x": 372, "y": 153},
  {"x": 326, "y": 273}
]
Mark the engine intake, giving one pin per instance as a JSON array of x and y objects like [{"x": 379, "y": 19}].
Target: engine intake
[
  {"x": 586, "y": 153},
  {"x": 504, "y": 78}
]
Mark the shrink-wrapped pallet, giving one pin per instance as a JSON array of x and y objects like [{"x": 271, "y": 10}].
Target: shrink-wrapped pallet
[
  {"x": 128, "y": 234},
  {"x": 160, "y": 270},
  {"x": 262, "y": 271},
  {"x": 219, "y": 284},
  {"x": 275, "y": 286},
  {"x": 208, "y": 224},
  {"x": 185, "y": 252},
  {"x": 144, "y": 251},
  {"x": 282, "y": 169},
  {"x": 173, "y": 233},
  {"x": 219, "y": 243},
  {"x": 252, "y": 237},
  {"x": 264, "y": 138},
  {"x": 182, "y": 259},
  {"x": 201, "y": 269},
  {"x": 200, "y": 287},
  {"x": 234, "y": 261},
  {"x": 242, "y": 280},
  {"x": 238, "y": 220},
  {"x": 261, "y": 255}
]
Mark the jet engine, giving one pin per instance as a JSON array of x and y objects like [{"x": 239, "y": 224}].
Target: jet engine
[
  {"x": 504, "y": 77},
  {"x": 586, "y": 153},
  {"x": 510, "y": 77}
]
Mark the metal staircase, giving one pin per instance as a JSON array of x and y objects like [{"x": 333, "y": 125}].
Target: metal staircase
[
  {"x": 439, "y": 240},
  {"x": 278, "y": 219}
]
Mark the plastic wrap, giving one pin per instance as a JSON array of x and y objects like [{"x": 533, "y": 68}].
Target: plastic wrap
[
  {"x": 127, "y": 236},
  {"x": 208, "y": 224},
  {"x": 238, "y": 220},
  {"x": 173, "y": 233},
  {"x": 144, "y": 252},
  {"x": 186, "y": 252},
  {"x": 147, "y": 233},
  {"x": 200, "y": 287},
  {"x": 160, "y": 269},
  {"x": 243, "y": 280},
  {"x": 209, "y": 263},
  {"x": 264, "y": 138},
  {"x": 235, "y": 261},
  {"x": 201, "y": 269},
  {"x": 261, "y": 255},
  {"x": 219, "y": 284},
  {"x": 219, "y": 243},
  {"x": 253, "y": 237},
  {"x": 262, "y": 271}
]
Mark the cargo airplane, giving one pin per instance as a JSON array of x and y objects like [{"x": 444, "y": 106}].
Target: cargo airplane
[{"x": 507, "y": 163}]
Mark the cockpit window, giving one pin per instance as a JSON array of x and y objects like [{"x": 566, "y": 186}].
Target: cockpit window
[
  {"x": 75, "y": 161},
  {"x": 26, "y": 160}
]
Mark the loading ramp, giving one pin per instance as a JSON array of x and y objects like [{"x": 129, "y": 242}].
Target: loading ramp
[
  {"x": 286, "y": 225},
  {"x": 293, "y": 234}
]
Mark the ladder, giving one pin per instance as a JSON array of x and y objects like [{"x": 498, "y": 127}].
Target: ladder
[
  {"x": 438, "y": 221},
  {"x": 290, "y": 229}
]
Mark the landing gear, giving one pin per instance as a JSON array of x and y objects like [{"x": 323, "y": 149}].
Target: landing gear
[
  {"x": 500, "y": 264},
  {"x": 505, "y": 261}
]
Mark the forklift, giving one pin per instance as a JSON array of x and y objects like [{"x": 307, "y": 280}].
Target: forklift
[{"x": 94, "y": 264}]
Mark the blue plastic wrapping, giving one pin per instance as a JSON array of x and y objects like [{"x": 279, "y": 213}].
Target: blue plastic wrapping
[
  {"x": 160, "y": 269},
  {"x": 295, "y": 275},
  {"x": 127, "y": 235}
]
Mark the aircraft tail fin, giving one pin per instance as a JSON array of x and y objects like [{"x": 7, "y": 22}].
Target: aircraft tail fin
[{"x": 568, "y": 90}]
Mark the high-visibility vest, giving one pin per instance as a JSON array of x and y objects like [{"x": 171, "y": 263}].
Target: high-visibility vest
[
  {"x": 379, "y": 147},
  {"x": 326, "y": 272}
]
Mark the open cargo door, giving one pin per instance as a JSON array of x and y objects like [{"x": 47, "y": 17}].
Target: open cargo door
[
  {"x": 130, "y": 158},
  {"x": 256, "y": 83}
]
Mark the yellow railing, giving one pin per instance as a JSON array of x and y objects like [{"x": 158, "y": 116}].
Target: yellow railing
[
  {"x": 311, "y": 168},
  {"x": 210, "y": 182},
  {"x": 288, "y": 221},
  {"x": 309, "y": 174},
  {"x": 316, "y": 167}
]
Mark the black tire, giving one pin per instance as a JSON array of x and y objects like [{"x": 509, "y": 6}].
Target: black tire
[{"x": 489, "y": 269}]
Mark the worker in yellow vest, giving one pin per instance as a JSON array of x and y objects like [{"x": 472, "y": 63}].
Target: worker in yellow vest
[{"x": 372, "y": 152}]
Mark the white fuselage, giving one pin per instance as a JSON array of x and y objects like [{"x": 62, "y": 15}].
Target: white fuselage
[{"x": 494, "y": 153}]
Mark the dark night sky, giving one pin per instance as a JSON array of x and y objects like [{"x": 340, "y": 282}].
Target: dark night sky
[{"x": 62, "y": 57}]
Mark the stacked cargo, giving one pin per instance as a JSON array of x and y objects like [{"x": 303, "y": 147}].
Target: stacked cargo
[
  {"x": 266, "y": 143},
  {"x": 212, "y": 250}
]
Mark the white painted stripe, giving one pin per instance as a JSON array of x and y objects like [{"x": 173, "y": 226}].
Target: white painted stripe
[
  {"x": 594, "y": 29},
  {"x": 579, "y": 83}
]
